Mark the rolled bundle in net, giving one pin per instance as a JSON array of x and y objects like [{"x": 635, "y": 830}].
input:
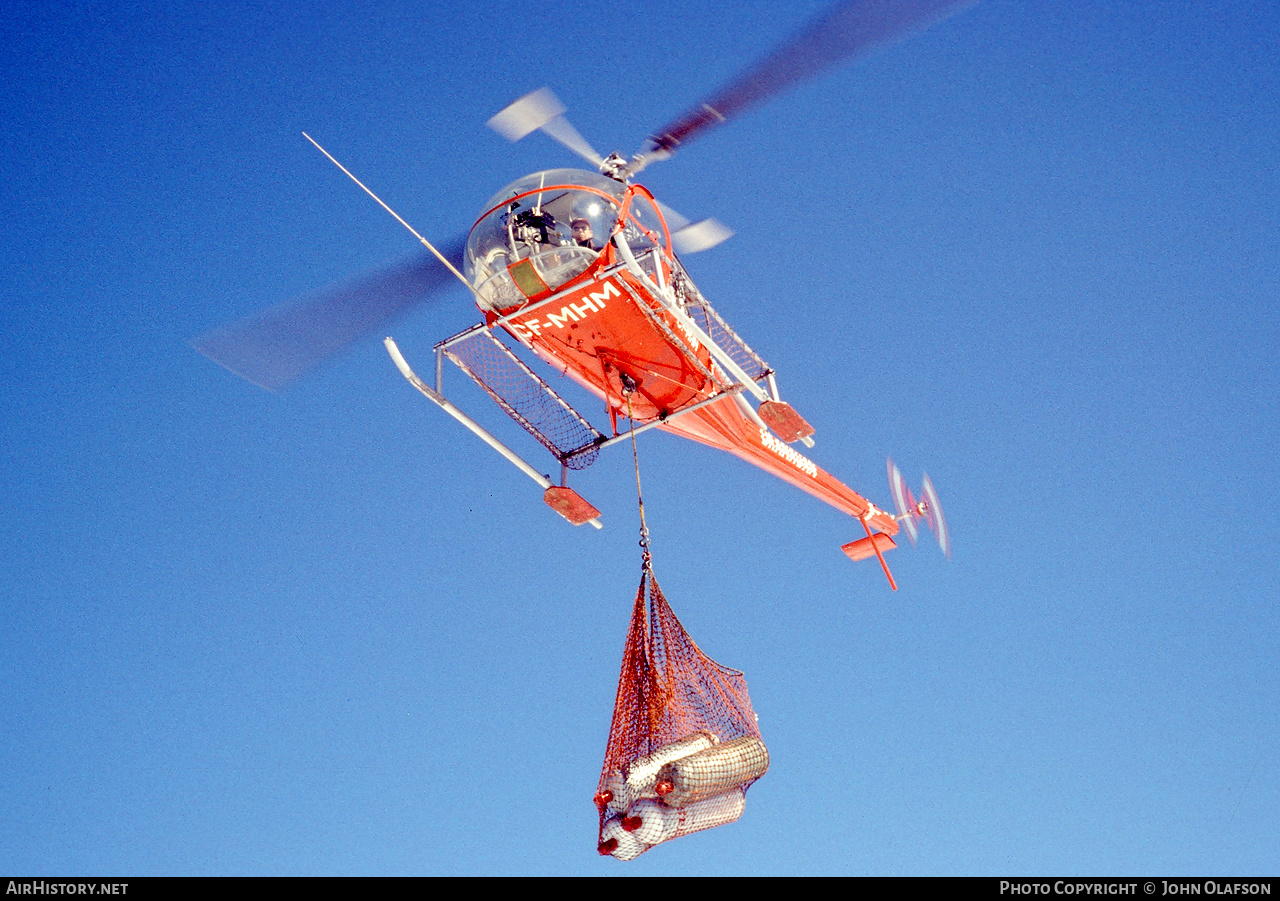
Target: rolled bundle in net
[
  {"x": 618, "y": 842},
  {"x": 652, "y": 822},
  {"x": 712, "y": 772},
  {"x": 641, "y": 775}
]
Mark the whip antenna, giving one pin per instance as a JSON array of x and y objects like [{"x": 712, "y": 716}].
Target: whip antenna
[{"x": 425, "y": 243}]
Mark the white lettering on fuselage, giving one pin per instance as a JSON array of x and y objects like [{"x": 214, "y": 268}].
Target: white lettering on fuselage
[
  {"x": 799, "y": 461},
  {"x": 570, "y": 312}
]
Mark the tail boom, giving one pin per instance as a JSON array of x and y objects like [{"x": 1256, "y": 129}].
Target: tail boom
[{"x": 722, "y": 425}]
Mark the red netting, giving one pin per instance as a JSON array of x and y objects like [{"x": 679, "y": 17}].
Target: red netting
[{"x": 684, "y": 744}]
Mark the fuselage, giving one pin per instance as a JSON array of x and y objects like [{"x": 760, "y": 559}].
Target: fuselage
[{"x": 618, "y": 314}]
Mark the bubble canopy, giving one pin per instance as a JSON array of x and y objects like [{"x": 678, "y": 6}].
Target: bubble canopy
[{"x": 559, "y": 220}]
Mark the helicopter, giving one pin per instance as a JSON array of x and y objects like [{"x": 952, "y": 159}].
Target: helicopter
[{"x": 581, "y": 269}]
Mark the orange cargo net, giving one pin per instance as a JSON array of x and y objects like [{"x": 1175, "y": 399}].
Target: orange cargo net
[{"x": 684, "y": 744}]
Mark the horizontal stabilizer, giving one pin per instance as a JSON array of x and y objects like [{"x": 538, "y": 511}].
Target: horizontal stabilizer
[{"x": 867, "y": 547}]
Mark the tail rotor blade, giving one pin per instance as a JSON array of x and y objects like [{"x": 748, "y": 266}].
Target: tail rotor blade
[
  {"x": 274, "y": 347},
  {"x": 933, "y": 515},
  {"x": 903, "y": 501}
]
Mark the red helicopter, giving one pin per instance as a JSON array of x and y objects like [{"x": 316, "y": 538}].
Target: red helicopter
[{"x": 580, "y": 268}]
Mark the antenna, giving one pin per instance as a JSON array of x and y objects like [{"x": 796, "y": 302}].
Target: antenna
[{"x": 425, "y": 243}]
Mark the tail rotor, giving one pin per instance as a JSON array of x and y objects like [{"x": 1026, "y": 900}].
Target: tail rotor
[{"x": 911, "y": 512}]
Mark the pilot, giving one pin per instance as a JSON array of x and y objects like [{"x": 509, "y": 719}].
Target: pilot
[{"x": 582, "y": 234}]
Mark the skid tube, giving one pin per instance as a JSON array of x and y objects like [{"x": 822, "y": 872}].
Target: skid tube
[{"x": 478, "y": 430}]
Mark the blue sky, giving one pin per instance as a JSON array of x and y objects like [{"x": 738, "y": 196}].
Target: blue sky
[{"x": 1031, "y": 251}]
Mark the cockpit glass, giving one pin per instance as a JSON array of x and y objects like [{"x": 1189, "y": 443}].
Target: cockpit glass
[
  {"x": 558, "y": 219},
  {"x": 644, "y": 228}
]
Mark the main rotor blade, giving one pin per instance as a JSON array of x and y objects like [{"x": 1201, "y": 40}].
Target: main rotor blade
[
  {"x": 693, "y": 237},
  {"x": 852, "y": 27},
  {"x": 274, "y": 347},
  {"x": 541, "y": 110}
]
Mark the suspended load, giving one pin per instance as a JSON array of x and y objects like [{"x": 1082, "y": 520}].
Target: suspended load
[{"x": 684, "y": 745}]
